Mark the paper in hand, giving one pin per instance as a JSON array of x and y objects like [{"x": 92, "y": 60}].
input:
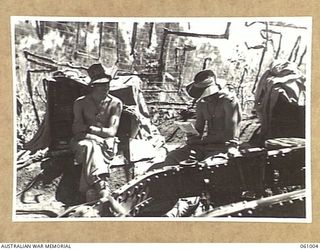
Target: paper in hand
[{"x": 187, "y": 127}]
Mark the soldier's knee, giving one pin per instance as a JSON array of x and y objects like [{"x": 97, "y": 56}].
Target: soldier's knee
[{"x": 86, "y": 145}]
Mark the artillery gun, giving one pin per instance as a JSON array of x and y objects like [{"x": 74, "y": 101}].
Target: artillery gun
[{"x": 227, "y": 182}]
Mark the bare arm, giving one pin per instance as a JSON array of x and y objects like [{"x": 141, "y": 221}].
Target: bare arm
[
  {"x": 200, "y": 123},
  {"x": 79, "y": 128},
  {"x": 112, "y": 127}
]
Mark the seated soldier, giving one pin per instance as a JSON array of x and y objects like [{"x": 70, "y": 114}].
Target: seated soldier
[
  {"x": 96, "y": 120},
  {"x": 215, "y": 109},
  {"x": 220, "y": 113}
]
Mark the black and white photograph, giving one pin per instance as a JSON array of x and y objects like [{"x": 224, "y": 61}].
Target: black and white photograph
[{"x": 162, "y": 119}]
